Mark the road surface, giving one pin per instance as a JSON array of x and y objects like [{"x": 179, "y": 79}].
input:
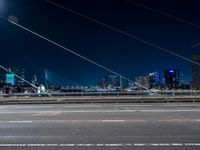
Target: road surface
[{"x": 100, "y": 126}]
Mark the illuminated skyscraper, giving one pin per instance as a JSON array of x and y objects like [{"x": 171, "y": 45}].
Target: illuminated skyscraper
[
  {"x": 10, "y": 78},
  {"x": 143, "y": 81},
  {"x": 35, "y": 80},
  {"x": 124, "y": 83},
  {"x": 172, "y": 78},
  {"x": 154, "y": 79},
  {"x": 105, "y": 82},
  {"x": 21, "y": 73},
  {"x": 114, "y": 81}
]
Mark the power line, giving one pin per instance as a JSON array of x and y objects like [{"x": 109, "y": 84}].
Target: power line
[
  {"x": 77, "y": 54},
  {"x": 162, "y": 13},
  {"x": 3, "y": 18},
  {"x": 123, "y": 32},
  {"x": 196, "y": 45}
]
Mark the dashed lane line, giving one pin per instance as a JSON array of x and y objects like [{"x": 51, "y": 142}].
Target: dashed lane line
[
  {"x": 24, "y": 121},
  {"x": 106, "y": 145},
  {"x": 102, "y": 121}
]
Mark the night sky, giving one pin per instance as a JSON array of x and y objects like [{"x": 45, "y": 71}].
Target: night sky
[{"x": 118, "y": 52}]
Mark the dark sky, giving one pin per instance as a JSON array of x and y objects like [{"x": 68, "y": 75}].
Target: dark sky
[{"x": 122, "y": 54}]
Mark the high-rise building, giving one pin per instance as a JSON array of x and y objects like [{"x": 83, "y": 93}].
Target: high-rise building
[
  {"x": 35, "y": 80},
  {"x": 171, "y": 78},
  {"x": 154, "y": 79},
  {"x": 17, "y": 81},
  {"x": 124, "y": 83},
  {"x": 105, "y": 82},
  {"x": 143, "y": 81},
  {"x": 114, "y": 81},
  {"x": 195, "y": 84},
  {"x": 21, "y": 73},
  {"x": 23, "y": 76},
  {"x": 10, "y": 77}
]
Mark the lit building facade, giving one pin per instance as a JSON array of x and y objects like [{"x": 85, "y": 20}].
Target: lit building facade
[
  {"x": 114, "y": 81},
  {"x": 124, "y": 83},
  {"x": 35, "y": 81},
  {"x": 144, "y": 81},
  {"x": 172, "y": 78},
  {"x": 11, "y": 79},
  {"x": 154, "y": 79},
  {"x": 105, "y": 82},
  {"x": 20, "y": 73}
]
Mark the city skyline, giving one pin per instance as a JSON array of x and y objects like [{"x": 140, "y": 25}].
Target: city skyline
[
  {"x": 168, "y": 78},
  {"x": 124, "y": 55},
  {"x": 99, "y": 74}
]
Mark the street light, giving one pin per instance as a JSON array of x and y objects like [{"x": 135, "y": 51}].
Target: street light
[{"x": 13, "y": 19}]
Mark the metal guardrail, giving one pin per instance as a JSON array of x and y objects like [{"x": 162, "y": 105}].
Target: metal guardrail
[
  {"x": 98, "y": 99},
  {"x": 133, "y": 93}
]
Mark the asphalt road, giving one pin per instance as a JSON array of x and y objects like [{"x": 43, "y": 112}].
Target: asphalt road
[{"x": 100, "y": 126}]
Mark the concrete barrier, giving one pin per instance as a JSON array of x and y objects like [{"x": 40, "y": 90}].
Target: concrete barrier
[{"x": 98, "y": 99}]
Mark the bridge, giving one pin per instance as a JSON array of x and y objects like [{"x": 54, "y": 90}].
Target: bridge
[
  {"x": 103, "y": 97},
  {"x": 146, "y": 119}
]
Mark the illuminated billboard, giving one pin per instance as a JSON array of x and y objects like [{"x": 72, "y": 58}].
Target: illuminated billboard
[{"x": 10, "y": 78}]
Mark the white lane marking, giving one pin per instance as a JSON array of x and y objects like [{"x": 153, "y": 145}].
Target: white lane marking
[
  {"x": 99, "y": 121},
  {"x": 33, "y": 107},
  {"x": 56, "y": 113},
  {"x": 20, "y": 121},
  {"x": 178, "y": 120},
  {"x": 43, "y": 113},
  {"x": 192, "y": 144},
  {"x": 169, "y": 110},
  {"x": 183, "y": 105},
  {"x": 133, "y": 105},
  {"x": 177, "y": 144},
  {"x": 87, "y": 106},
  {"x": 72, "y": 121},
  {"x": 104, "y": 111},
  {"x": 113, "y": 120},
  {"x": 139, "y": 144},
  {"x": 105, "y": 145},
  {"x": 158, "y": 105}
]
